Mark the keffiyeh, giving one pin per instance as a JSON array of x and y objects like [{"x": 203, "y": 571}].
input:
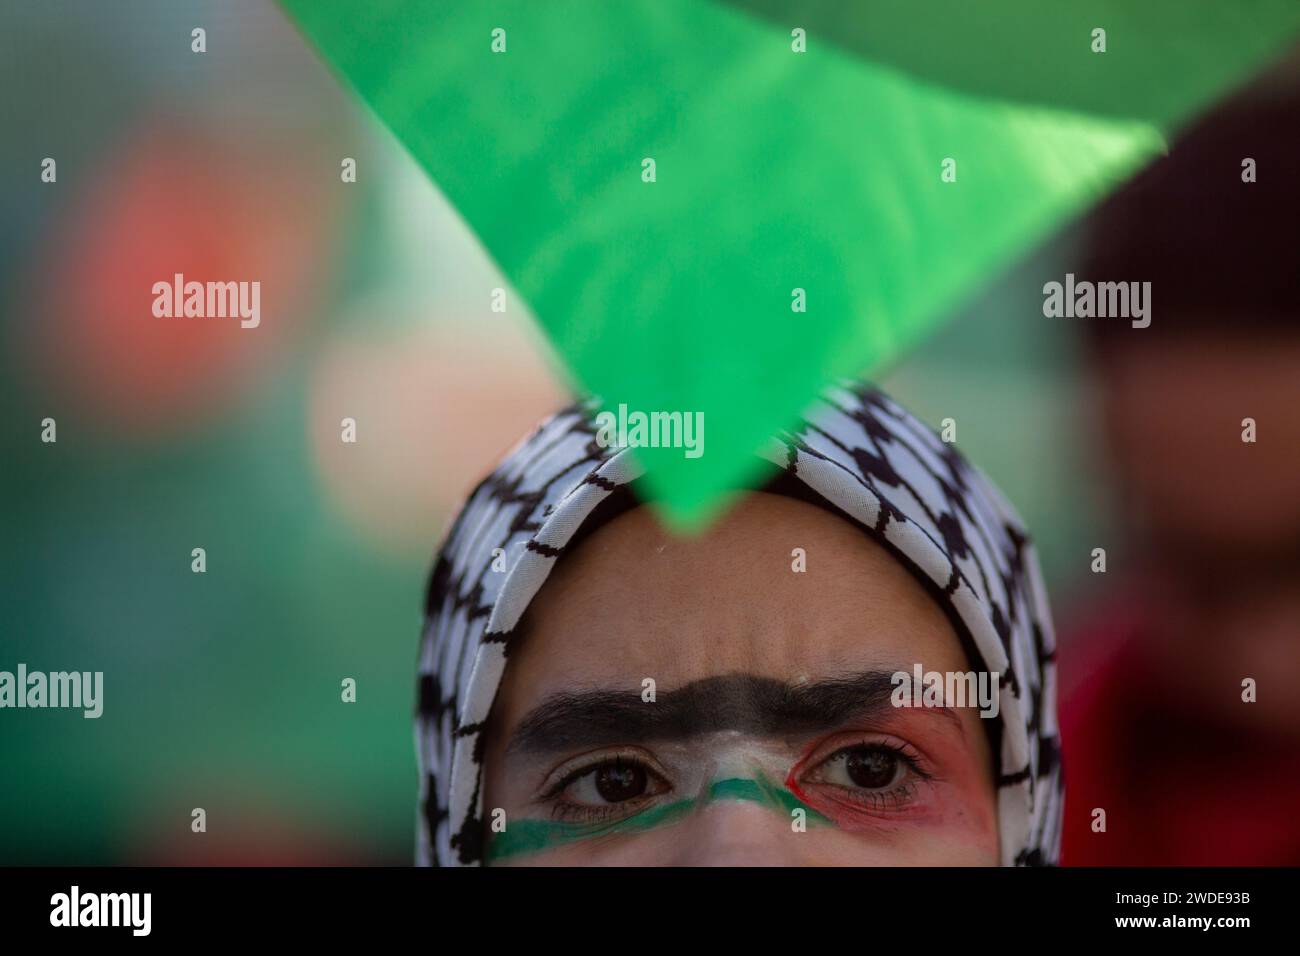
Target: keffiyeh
[{"x": 856, "y": 450}]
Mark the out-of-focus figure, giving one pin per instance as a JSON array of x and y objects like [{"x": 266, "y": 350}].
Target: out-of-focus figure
[{"x": 1202, "y": 594}]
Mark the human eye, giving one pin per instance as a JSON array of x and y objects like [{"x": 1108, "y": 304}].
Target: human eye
[
  {"x": 604, "y": 786},
  {"x": 862, "y": 779}
]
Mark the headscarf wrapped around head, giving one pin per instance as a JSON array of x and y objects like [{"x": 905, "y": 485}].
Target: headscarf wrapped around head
[{"x": 857, "y": 451}]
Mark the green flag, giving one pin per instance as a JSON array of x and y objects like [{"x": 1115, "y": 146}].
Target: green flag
[{"x": 718, "y": 207}]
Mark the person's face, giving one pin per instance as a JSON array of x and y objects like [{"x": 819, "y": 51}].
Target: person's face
[
  {"x": 1172, "y": 415},
  {"x": 1219, "y": 517},
  {"x": 770, "y": 737}
]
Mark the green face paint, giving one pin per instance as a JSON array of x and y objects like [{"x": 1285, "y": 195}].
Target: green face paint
[{"x": 533, "y": 836}]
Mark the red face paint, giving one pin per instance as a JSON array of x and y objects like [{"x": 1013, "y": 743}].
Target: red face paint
[{"x": 916, "y": 795}]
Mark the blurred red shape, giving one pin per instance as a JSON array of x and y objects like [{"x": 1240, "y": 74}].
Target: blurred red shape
[{"x": 174, "y": 200}]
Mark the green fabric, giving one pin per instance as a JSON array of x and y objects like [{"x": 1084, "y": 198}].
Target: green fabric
[
  {"x": 775, "y": 170},
  {"x": 1163, "y": 58}
]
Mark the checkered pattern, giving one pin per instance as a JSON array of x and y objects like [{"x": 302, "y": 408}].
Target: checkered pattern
[{"x": 858, "y": 450}]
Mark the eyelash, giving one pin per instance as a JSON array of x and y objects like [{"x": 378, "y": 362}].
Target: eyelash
[
  {"x": 574, "y": 770},
  {"x": 863, "y": 803}
]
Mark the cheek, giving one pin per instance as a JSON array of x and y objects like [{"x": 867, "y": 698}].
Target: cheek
[
  {"x": 966, "y": 814},
  {"x": 970, "y": 828},
  {"x": 654, "y": 848},
  {"x": 954, "y": 833},
  {"x": 829, "y": 846}
]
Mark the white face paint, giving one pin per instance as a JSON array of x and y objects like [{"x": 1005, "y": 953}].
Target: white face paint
[{"x": 675, "y": 770}]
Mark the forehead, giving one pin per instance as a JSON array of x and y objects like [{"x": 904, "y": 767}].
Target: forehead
[{"x": 635, "y": 601}]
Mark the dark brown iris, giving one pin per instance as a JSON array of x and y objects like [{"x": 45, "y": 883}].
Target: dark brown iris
[
  {"x": 871, "y": 767},
  {"x": 620, "y": 781}
]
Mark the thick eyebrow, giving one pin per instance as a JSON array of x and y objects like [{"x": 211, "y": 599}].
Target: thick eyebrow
[{"x": 762, "y": 706}]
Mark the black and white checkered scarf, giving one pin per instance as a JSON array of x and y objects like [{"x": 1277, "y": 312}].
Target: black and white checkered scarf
[{"x": 859, "y": 451}]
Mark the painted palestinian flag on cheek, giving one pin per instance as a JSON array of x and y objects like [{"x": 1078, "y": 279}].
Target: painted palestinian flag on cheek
[{"x": 715, "y": 208}]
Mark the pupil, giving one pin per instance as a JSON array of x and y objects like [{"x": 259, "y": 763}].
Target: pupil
[
  {"x": 616, "y": 782},
  {"x": 871, "y": 767}
]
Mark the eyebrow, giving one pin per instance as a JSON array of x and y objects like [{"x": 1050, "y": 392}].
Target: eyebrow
[{"x": 763, "y": 706}]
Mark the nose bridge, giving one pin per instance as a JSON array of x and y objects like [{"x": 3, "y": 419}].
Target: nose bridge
[{"x": 734, "y": 831}]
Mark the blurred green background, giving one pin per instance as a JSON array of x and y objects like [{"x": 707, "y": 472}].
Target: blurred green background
[{"x": 222, "y": 689}]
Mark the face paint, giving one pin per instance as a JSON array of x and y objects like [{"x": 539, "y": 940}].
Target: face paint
[
  {"x": 749, "y": 781},
  {"x": 909, "y": 789},
  {"x": 533, "y": 836},
  {"x": 553, "y": 489}
]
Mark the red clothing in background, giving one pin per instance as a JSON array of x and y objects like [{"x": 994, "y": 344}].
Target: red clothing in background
[{"x": 1176, "y": 790}]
